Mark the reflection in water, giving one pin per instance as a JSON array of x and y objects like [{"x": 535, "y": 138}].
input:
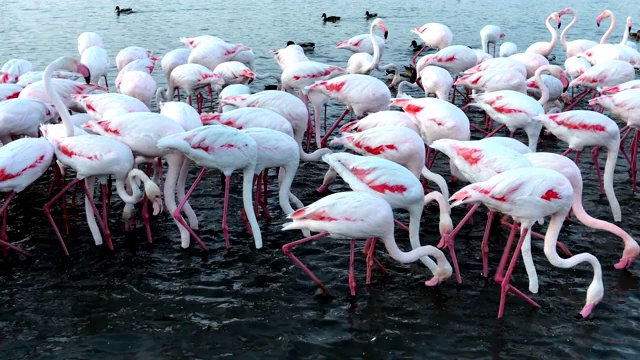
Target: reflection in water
[{"x": 159, "y": 301}]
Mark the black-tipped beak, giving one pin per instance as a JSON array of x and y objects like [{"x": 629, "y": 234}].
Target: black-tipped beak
[
  {"x": 559, "y": 24},
  {"x": 386, "y": 33},
  {"x": 597, "y": 23},
  {"x": 88, "y": 78},
  {"x": 629, "y": 28}
]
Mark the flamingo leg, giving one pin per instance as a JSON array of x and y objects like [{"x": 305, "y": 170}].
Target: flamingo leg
[
  {"x": 625, "y": 131},
  {"x": 323, "y": 142},
  {"x": 401, "y": 224},
  {"x": 225, "y": 227},
  {"x": 594, "y": 153},
  {"x": 101, "y": 220},
  {"x": 505, "y": 285},
  {"x": 4, "y": 241},
  {"x": 369, "y": 250},
  {"x": 287, "y": 251},
  {"x": 448, "y": 241},
  {"x": 352, "y": 279},
  {"x": 504, "y": 221},
  {"x": 145, "y": 218},
  {"x": 47, "y": 212},
  {"x": 634, "y": 160},
  {"x": 502, "y": 126},
  {"x": 413, "y": 59},
  {"x": 180, "y": 219},
  {"x": 484, "y": 248}
]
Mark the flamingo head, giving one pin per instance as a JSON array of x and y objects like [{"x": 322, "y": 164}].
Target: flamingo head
[
  {"x": 378, "y": 22},
  {"x": 556, "y": 17},
  {"x": 605, "y": 14},
  {"x": 82, "y": 69},
  {"x": 558, "y": 72},
  {"x": 629, "y": 22},
  {"x": 501, "y": 36},
  {"x": 566, "y": 11}
]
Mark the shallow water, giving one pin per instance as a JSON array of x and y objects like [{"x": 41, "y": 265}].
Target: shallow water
[{"x": 158, "y": 301}]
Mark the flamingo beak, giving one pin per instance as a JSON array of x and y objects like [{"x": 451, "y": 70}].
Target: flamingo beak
[
  {"x": 84, "y": 71},
  {"x": 386, "y": 33},
  {"x": 565, "y": 82}
]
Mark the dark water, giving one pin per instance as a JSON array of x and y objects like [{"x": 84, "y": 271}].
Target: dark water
[{"x": 158, "y": 301}]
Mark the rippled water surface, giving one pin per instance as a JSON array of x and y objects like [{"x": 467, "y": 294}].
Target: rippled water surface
[{"x": 158, "y": 301}]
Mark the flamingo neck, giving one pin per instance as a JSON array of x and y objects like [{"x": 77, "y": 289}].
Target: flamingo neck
[
  {"x": 625, "y": 36},
  {"x": 247, "y": 190},
  {"x": 563, "y": 34},
  {"x": 404, "y": 84},
  {"x": 415, "y": 213},
  {"x": 609, "y": 168},
  {"x": 544, "y": 90},
  {"x": 554, "y": 34},
  {"x": 285, "y": 186},
  {"x": 376, "y": 49},
  {"x": 605, "y": 37},
  {"x": 61, "y": 108},
  {"x": 415, "y": 254}
]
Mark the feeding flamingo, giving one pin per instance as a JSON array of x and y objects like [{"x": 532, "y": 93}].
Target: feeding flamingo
[{"x": 490, "y": 34}]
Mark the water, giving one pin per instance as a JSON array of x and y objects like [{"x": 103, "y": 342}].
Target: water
[{"x": 160, "y": 302}]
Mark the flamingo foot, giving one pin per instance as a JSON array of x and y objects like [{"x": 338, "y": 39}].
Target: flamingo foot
[
  {"x": 624, "y": 263},
  {"x": 587, "y": 309},
  {"x": 433, "y": 282}
]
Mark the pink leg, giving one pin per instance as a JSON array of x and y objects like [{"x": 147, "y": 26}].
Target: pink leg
[
  {"x": 505, "y": 286},
  {"x": 101, "y": 221},
  {"x": 323, "y": 142},
  {"x": 484, "y": 248},
  {"x": 495, "y": 131},
  {"x": 634, "y": 160},
  {"x": 401, "y": 224},
  {"x": 225, "y": 227},
  {"x": 578, "y": 157},
  {"x": 567, "y": 151},
  {"x": 145, "y": 218},
  {"x": 448, "y": 241},
  {"x": 625, "y": 134},
  {"x": 178, "y": 216},
  {"x": 47, "y": 212},
  {"x": 369, "y": 250},
  {"x": 560, "y": 245},
  {"x": 576, "y": 99},
  {"x": 287, "y": 251},
  {"x": 56, "y": 179},
  {"x": 352, "y": 279},
  {"x": 594, "y": 153},
  {"x": 413, "y": 59},
  {"x": 4, "y": 241}
]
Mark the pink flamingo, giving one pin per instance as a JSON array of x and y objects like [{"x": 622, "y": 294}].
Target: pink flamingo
[
  {"x": 434, "y": 80},
  {"x": 626, "y": 105},
  {"x": 545, "y": 48},
  {"x": 575, "y": 47},
  {"x": 436, "y": 119},
  {"x": 395, "y": 184},
  {"x": 30, "y": 77},
  {"x": 607, "y": 73},
  {"x": 212, "y": 54},
  {"x": 529, "y": 195},
  {"x": 477, "y": 161},
  {"x": 93, "y": 156},
  {"x": 231, "y": 90},
  {"x": 531, "y": 61},
  {"x": 362, "y": 62},
  {"x": 582, "y": 128},
  {"x": 454, "y": 58},
  {"x": 360, "y": 93},
  {"x": 490, "y": 34},
  {"x": 194, "y": 42},
  {"x": 353, "y": 215},
  {"x": 363, "y": 43},
  {"x": 381, "y": 118},
  {"x": 130, "y": 54},
  {"x": 244, "y": 118},
  {"x": 494, "y": 79},
  {"x": 97, "y": 60},
  {"x": 193, "y": 78},
  {"x": 568, "y": 168},
  {"x": 146, "y": 65},
  {"x": 292, "y": 54},
  {"x": 629, "y": 85},
  {"x": 516, "y": 110},
  {"x": 285, "y": 104},
  {"x": 576, "y": 66},
  {"x": 435, "y": 35},
  {"x": 223, "y": 148},
  {"x": 13, "y": 69},
  {"x": 139, "y": 85},
  {"x": 63, "y": 87},
  {"x": 172, "y": 59},
  {"x": 21, "y": 163},
  {"x": 498, "y": 63},
  {"x": 22, "y": 117},
  {"x": 99, "y": 105},
  {"x": 141, "y": 132},
  {"x": 554, "y": 85},
  {"x": 88, "y": 39},
  {"x": 508, "y": 48},
  {"x": 9, "y": 91}
]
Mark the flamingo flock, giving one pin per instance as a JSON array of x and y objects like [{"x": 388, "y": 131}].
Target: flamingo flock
[{"x": 147, "y": 141}]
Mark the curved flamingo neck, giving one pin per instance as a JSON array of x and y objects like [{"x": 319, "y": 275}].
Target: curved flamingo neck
[
  {"x": 376, "y": 49},
  {"x": 563, "y": 34},
  {"x": 554, "y": 33},
  {"x": 625, "y": 36},
  {"x": 605, "y": 37},
  {"x": 61, "y": 108},
  {"x": 544, "y": 90}
]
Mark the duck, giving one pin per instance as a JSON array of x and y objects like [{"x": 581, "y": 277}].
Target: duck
[
  {"x": 414, "y": 45},
  {"x": 123, "y": 11},
  {"x": 330, "y": 18},
  {"x": 370, "y": 15},
  {"x": 306, "y": 46},
  {"x": 635, "y": 35}
]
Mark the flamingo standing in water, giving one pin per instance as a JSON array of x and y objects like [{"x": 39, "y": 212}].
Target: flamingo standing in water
[
  {"x": 545, "y": 48},
  {"x": 490, "y": 34},
  {"x": 568, "y": 168},
  {"x": 364, "y": 63},
  {"x": 529, "y": 195},
  {"x": 146, "y": 65},
  {"x": 130, "y": 54},
  {"x": 508, "y": 48},
  {"x": 575, "y": 47},
  {"x": 435, "y": 35},
  {"x": 361, "y": 93},
  {"x": 582, "y": 128},
  {"x": 192, "y": 78},
  {"x": 400, "y": 189},
  {"x": 23, "y": 117},
  {"x": 603, "y": 74},
  {"x": 434, "y": 80},
  {"x": 9, "y": 91},
  {"x": 363, "y": 43},
  {"x": 87, "y": 40},
  {"x": 226, "y": 149},
  {"x": 381, "y": 118},
  {"x": 97, "y": 60},
  {"x": 289, "y": 55},
  {"x": 353, "y": 215},
  {"x": 629, "y": 85},
  {"x": 140, "y": 85},
  {"x": 13, "y": 69},
  {"x": 92, "y": 157}
]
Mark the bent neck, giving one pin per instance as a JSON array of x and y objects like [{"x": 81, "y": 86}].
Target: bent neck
[{"x": 61, "y": 108}]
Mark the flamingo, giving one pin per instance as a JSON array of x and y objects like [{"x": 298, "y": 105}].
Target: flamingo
[
  {"x": 213, "y": 54},
  {"x": 545, "y": 48},
  {"x": 130, "y": 54},
  {"x": 516, "y": 110},
  {"x": 172, "y": 59},
  {"x": 400, "y": 145},
  {"x": 625, "y": 37},
  {"x": 454, "y": 58},
  {"x": 576, "y": 47},
  {"x": 604, "y": 52},
  {"x": 192, "y": 78},
  {"x": 194, "y": 42},
  {"x": 21, "y": 163},
  {"x": 576, "y": 66},
  {"x": 531, "y": 61},
  {"x": 140, "y": 85},
  {"x": 434, "y": 80},
  {"x": 146, "y": 65},
  {"x": 30, "y": 77},
  {"x": 229, "y": 91},
  {"x": 63, "y": 87},
  {"x": 494, "y": 79},
  {"x": 498, "y": 63},
  {"x": 568, "y": 168},
  {"x": 353, "y": 215},
  {"x": 12, "y": 69},
  {"x": 529, "y": 195},
  {"x": 141, "y": 131},
  {"x": 434, "y": 35},
  {"x": 625, "y": 105},
  {"x": 88, "y": 39},
  {"x": 508, "y": 48},
  {"x": 244, "y": 118},
  {"x": 482, "y": 56},
  {"x": 490, "y": 34},
  {"x": 93, "y": 156},
  {"x": 97, "y": 60},
  {"x": 381, "y": 118},
  {"x": 362, "y": 62},
  {"x": 223, "y": 148},
  {"x": 629, "y": 85},
  {"x": 603, "y": 74},
  {"x": 23, "y": 117},
  {"x": 361, "y": 93},
  {"x": 363, "y": 43},
  {"x": 582, "y": 128},
  {"x": 9, "y": 91},
  {"x": 554, "y": 85},
  {"x": 99, "y": 105},
  {"x": 289, "y": 55},
  {"x": 477, "y": 161},
  {"x": 285, "y": 104}
]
